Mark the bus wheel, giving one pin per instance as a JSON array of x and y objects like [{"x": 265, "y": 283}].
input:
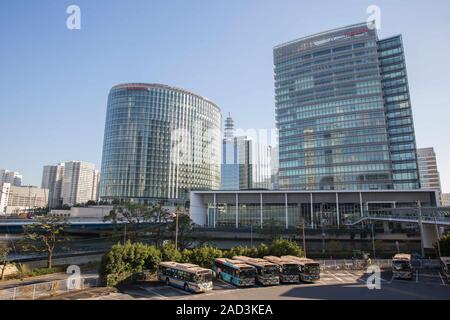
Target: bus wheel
[{"x": 167, "y": 281}]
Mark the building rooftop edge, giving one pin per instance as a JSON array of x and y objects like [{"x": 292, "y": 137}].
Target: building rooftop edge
[
  {"x": 162, "y": 86},
  {"x": 319, "y": 34}
]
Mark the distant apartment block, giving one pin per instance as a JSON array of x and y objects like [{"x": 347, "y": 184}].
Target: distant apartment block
[
  {"x": 16, "y": 200},
  {"x": 445, "y": 201},
  {"x": 70, "y": 183},
  {"x": 428, "y": 169},
  {"x": 12, "y": 177},
  {"x": 52, "y": 179}
]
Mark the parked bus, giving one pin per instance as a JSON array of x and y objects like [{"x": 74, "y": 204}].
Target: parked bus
[
  {"x": 309, "y": 269},
  {"x": 267, "y": 273},
  {"x": 289, "y": 269},
  {"x": 401, "y": 266},
  {"x": 188, "y": 277},
  {"x": 235, "y": 272},
  {"x": 445, "y": 265}
]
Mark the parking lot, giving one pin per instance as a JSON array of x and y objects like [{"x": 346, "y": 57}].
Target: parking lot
[{"x": 337, "y": 284}]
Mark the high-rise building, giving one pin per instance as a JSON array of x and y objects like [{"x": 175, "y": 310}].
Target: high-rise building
[
  {"x": 343, "y": 112},
  {"x": 237, "y": 162},
  {"x": 428, "y": 169},
  {"x": 15, "y": 200},
  {"x": 12, "y": 177},
  {"x": 52, "y": 179},
  {"x": 160, "y": 142},
  {"x": 79, "y": 183}
]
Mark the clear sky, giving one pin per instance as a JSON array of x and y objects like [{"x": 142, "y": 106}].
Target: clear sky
[{"x": 54, "y": 82}]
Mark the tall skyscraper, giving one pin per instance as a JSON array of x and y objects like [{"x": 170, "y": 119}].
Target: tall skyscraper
[
  {"x": 343, "y": 112},
  {"x": 428, "y": 169},
  {"x": 237, "y": 167},
  {"x": 12, "y": 177},
  {"x": 52, "y": 179},
  {"x": 160, "y": 142},
  {"x": 79, "y": 183}
]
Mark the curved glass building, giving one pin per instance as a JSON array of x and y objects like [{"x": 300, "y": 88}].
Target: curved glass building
[{"x": 160, "y": 142}]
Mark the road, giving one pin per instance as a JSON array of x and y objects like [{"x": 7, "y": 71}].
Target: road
[{"x": 334, "y": 285}]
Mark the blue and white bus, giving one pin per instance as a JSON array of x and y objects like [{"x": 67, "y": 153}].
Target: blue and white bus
[
  {"x": 188, "y": 277},
  {"x": 235, "y": 272},
  {"x": 267, "y": 273}
]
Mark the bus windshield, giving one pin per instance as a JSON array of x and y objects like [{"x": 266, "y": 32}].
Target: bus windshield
[
  {"x": 291, "y": 269},
  {"x": 270, "y": 271},
  {"x": 401, "y": 265},
  {"x": 203, "y": 277},
  {"x": 247, "y": 273},
  {"x": 312, "y": 268}
]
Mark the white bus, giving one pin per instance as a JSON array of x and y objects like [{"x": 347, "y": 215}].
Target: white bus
[
  {"x": 188, "y": 277},
  {"x": 267, "y": 273},
  {"x": 309, "y": 269},
  {"x": 289, "y": 269},
  {"x": 401, "y": 266},
  {"x": 445, "y": 266}
]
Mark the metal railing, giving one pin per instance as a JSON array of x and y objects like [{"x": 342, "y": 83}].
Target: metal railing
[
  {"x": 48, "y": 289},
  {"x": 364, "y": 264}
]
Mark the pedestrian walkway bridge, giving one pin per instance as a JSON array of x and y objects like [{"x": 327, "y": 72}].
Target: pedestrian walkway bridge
[{"x": 428, "y": 216}]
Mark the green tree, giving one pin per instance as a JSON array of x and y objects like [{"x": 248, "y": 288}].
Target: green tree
[
  {"x": 263, "y": 250},
  {"x": 242, "y": 251},
  {"x": 4, "y": 254},
  {"x": 169, "y": 253},
  {"x": 45, "y": 236},
  {"x": 132, "y": 214},
  {"x": 204, "y": 256},
  {"x": 283, "y": 247},
  {"x": 185, "y": 231},
  {"x": 122, "y": 262}
]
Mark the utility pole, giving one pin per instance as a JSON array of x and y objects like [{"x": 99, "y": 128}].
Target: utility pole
[
  {"x": 419, "y": 208},
  {"x": 177, "y": 213},
  {"x": 302, "y": 220}
]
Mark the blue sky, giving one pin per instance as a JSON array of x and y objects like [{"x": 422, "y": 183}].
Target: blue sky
[{"x": 54, "y": 82}]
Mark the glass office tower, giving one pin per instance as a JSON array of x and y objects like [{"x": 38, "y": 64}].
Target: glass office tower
[
  {"x": 343, "y": 113},
  {"x": 160, "y": 142}
]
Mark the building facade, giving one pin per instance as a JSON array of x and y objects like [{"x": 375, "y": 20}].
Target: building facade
[
  {"x": 237, "y": 160},
  {"x": 160, "y": 142},
  {"x": 287, "y": 209},
  {"x": 80, "y": 183},
  {"x": 12, "y": 177},
  {"x": 445, "y": 199},
  {"x": 428, "y": 169},
  {"x": 343, "y": 112},
  {"x": 15, "y": 200},
  {"x": 52, "y": 179}
]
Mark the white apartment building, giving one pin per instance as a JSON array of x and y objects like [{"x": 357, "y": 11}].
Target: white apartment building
[
  {"x": 52, "y": 179},
  {"x": 80, "y": 183},
  {"x": 12, "y": 177},
  {"x": 15, "y": 199}
]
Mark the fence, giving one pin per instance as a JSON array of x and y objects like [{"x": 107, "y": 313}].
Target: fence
[
  {"x": 48, "y": 289},
  {"x": 382, "y": 263}
]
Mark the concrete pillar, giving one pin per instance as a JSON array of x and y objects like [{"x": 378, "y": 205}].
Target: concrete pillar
[
  {"x": 237, "y": 210},
  {"x": 262, "y": 211},
  {"x": 286, "y": 209},
  {"x": 215, "y": 210},
  {"x": 312, "y": 210},
  {"x": 338, "y": 216}
]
